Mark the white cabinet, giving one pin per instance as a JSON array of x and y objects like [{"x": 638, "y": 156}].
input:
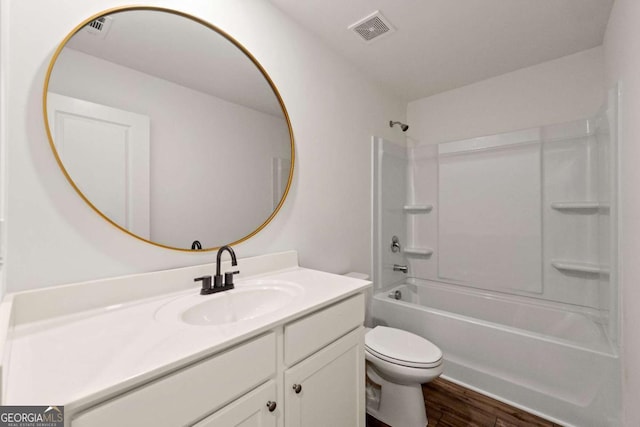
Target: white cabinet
[
  {"x": 315, "y": 364},
  {"x": 257, "y": 409},
  {"x": 324, "y": 354},
  {"x": 186, "y": 396},
  {"x": 315, "y": 331},
  {"x": 327, "y": 388}
]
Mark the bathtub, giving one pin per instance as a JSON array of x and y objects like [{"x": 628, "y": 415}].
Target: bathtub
[{"x": 536, "y": 356}]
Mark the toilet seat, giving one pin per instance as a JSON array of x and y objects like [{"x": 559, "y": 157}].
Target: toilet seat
[{"x": 402, "y": 348}]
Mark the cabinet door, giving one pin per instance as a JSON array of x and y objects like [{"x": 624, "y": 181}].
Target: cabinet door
[
  {"x": 251, "y": 410},
  {"x": 327, "y": 388}
]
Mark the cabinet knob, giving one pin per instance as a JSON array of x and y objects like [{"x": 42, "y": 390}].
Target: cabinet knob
[
  {"x": 297, "y": 388},
  {"x": 271, "y": 405}
]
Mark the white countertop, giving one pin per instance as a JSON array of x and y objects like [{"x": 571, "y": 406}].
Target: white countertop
[{"x": 80, "y": 358}]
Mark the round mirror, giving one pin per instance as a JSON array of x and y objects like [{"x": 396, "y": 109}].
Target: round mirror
[{"x": 168, "y": 128}]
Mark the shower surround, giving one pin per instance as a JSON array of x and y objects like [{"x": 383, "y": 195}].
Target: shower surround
[{"x": 510, "y": 242}]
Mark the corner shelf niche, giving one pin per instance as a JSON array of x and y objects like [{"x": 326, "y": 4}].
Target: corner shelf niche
[
  {"x": 424, "y": 252},
  {"x": 417, "y": 208},
  {"x": 579, "y": 206},
  {"x": 579, "y": 267}
]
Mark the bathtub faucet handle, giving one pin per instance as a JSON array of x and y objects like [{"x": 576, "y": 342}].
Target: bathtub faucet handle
[
  {"x": 403, "y": 268},
  {"x": 395, "y": 244}
]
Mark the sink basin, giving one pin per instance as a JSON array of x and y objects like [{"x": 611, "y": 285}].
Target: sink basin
[{"x": 249, "y": 300}]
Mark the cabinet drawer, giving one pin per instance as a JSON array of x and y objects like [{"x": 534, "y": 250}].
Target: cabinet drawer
[
  {"x": 313, "y": 332},
  {"x": 191, "y": 393},
  {"x": 249, "y": 410}
]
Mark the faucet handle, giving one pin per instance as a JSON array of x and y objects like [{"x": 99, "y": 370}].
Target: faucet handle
[
  {"x": 228, "y": 277},
  {"x": 206, "y": 284},
  {"x": 395, "y": 244}
]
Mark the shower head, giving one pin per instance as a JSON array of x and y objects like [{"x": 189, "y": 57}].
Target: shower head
[{"x": 402, "y": 125}]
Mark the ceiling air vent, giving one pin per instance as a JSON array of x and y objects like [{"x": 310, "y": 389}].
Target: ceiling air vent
[
  {"x": 372, "y": 27},
  {"x": 99, "y": 27}
]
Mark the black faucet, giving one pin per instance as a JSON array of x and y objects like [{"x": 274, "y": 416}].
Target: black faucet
[
  {"x": 228, "y": 276},
  {"x": 218, "y": 286}
]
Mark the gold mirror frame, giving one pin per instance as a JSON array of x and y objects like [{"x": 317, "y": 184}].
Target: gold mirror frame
[{"x": 221, "y": 33}]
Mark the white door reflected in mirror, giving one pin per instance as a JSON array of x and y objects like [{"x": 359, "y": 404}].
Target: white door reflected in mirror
[{"x": 106, "y": 151}]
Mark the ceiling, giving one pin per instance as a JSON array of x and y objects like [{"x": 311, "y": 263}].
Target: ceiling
[{"x": 443, "y": 44}]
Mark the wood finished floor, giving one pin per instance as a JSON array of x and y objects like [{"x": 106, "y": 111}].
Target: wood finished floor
[{"x": 450, "y": 405}]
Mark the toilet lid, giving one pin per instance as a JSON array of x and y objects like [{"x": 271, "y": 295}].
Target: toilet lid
[{"x": 402, "y": 347}]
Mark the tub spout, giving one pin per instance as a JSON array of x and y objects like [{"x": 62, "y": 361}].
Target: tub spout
[
  {"x": 397, "y": 294},
  {"x": 403, "y": 268}
]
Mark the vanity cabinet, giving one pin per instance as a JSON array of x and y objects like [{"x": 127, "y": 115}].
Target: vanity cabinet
[
  {"x": 324, "y": 353},
  {"x": 327, "y": 388},
  {"x": 191, "y": 393},
  {"x": 306, "y": 373},
  {"x": 257, "y": 409}
]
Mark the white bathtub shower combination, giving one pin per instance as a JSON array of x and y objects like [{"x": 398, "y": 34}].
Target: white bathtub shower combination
[
  {"x": 510, "y": 246},
  {"x": 537, "y": 356}
]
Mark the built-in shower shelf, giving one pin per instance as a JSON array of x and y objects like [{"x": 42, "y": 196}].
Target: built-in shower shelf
[
  {"x": 579, "y": 267},
  {"x": 418, "y": 251},
  {"x": 417, "y": 208},
  {"x": 579, "y": 206}
]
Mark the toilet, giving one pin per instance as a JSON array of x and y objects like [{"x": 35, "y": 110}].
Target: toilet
[{"x": 398, "y": 363}]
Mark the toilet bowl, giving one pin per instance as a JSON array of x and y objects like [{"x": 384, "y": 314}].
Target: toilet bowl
[{"x": 398, "y": 362}]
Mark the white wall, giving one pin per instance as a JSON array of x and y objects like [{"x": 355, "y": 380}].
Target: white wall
[
  {"x": 4, "y": 21},
  {"x": 55, "y": 238},
  {"x": 562, "y": 90},
  {"x": 196, "y": 138},
  {"x": 622, "y": 58}
]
